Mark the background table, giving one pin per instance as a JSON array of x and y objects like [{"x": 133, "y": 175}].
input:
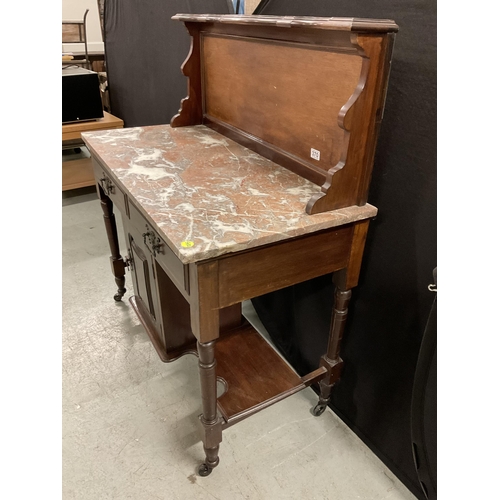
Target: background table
[{"x": 78, "y": 173}]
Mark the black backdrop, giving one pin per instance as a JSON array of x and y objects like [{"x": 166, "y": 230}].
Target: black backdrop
[
  {"x": 390, "y": 307},
  {"x": 144, "y": 52}
]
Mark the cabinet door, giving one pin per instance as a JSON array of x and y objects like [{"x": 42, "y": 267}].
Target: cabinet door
[{"x": 143, "y": 276}]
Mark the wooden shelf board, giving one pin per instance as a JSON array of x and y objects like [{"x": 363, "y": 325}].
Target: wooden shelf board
[
  {"x": 77, "y": 174},
  {"x": 71, "y": 131},
  {"x": 253, "y": 370}
]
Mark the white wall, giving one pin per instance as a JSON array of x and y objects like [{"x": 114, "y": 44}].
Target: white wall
[
  {"x": 250, "y": 6},
  {"x": 74, "y": 9}
]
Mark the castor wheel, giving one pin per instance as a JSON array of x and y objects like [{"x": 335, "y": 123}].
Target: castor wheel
[
  {"x": 318, "y": 409},
  {"x": 119, "y": 294},
  {"x": 204, "y": 470}
]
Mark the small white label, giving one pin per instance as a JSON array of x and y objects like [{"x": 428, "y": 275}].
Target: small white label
[{"x": 314, "y": 154}]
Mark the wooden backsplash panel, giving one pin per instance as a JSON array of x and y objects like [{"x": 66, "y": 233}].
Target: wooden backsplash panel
[{"x": 289, "y": 95}]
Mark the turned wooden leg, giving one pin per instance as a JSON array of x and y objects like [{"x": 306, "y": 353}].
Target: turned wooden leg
[
  {"x": 211, "y": 425},
  {"x": 331, "y": 360},
  {"x": 117, "y": 263}
]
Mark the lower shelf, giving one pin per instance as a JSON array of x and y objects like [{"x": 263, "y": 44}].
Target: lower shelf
[
  {"x": 255, "y": 374},
  {"x": 77, "y": 173}
]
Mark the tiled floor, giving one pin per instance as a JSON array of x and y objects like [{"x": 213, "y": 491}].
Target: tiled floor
[{"x": 129, "y": 420}]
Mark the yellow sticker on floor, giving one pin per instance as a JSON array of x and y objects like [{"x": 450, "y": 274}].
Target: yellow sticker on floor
[{"x": 187, "y": 244}]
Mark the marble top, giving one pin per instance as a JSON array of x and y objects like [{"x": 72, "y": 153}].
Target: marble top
[{"x": 205, "y": 194}]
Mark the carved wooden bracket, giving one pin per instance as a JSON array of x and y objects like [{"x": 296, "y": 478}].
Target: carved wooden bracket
[
  {"x": 190, "y": 112},
  {"x": 347, "y": 182}
]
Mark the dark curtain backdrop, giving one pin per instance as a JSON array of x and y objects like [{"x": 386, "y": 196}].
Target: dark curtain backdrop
[
  {"x": 144, "y": 52},
  {"x": 390, "y": 307}
]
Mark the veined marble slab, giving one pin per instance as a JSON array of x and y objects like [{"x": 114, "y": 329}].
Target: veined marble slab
[{"x": 205, "y": 194}]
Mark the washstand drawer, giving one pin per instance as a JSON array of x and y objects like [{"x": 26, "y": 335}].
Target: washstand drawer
[
  {"x": 173, "y": 267},
  {"x": 109, "y": 186}
]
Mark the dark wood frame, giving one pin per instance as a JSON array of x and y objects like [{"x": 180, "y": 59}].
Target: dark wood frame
[{"x": 196, "y": 308}]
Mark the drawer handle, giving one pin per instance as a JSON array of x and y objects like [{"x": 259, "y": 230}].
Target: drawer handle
[
  {"x": 107, "y": 185},
  {"x": 152, "y": 241}
]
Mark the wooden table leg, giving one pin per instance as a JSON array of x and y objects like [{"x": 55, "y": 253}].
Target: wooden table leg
[
  {"x": 117, "y": 263},
  {"x": 210, "y": 422},
  {"x": 331, "y": 360},
  {"x": 344, "y": 279}
]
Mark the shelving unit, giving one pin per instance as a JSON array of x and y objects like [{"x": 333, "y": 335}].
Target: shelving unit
[
  {"x": 75, "y": 31},
  {"x": 77, "y": 169}
]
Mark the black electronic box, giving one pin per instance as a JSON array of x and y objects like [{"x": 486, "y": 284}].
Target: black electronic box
[{"x": 81, "y": 96}]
